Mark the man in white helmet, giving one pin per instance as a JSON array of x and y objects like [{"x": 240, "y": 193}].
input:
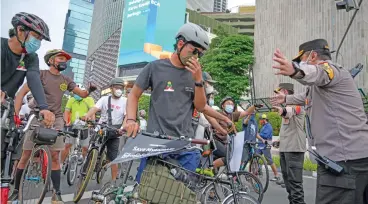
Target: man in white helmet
[{"x": 177, "y": 92}]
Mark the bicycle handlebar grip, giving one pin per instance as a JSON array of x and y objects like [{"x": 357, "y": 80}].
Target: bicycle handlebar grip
[{"x": 199, "y": 141}]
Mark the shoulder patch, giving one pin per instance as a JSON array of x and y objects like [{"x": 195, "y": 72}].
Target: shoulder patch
[
  {"x": 328, "y": 69},
  {"x": 298, "y": 109}
]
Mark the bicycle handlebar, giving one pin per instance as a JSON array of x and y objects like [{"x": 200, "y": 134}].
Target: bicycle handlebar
[
  {"x": 255, "y": 143},
  {"x": 162, "y": 136}
]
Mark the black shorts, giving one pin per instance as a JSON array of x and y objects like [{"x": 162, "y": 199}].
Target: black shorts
[
  {"x": 220, "y": 151},
  {"x": 112, "y": 148}
]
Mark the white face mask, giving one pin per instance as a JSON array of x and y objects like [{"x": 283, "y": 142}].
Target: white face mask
[
  {"x": 118, "y": 93},
  {"x": 209, "y": 89},
  {"x": 211, "y": 102},
  {"x": 302, "y": 63}
]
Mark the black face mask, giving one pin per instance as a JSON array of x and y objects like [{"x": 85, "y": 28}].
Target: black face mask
[{"x": 61, "y": 66}]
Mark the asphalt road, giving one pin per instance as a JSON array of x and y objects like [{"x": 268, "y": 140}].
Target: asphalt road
[{"x": 274, "y": 195}]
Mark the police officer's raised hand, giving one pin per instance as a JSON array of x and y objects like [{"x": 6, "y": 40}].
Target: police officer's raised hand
[
  {"x": 196, "y": 69},
  {"x": 131, "y": 127},
  {"x": 285, "y": 67},
  {"x": 277, "y": 99},
  {"x": 48, "y": 118}
]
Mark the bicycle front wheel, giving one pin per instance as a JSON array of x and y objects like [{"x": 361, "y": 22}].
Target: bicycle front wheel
[
  {"x": 258, "y": 167},
  {"x": 101, "y": 169},
  {"x": 72, "y": 170},
  {"x": 240, "y": 197},
  {"x": 249, "y": 183},
  {"x": 215, "y": 193},
  {"x": 36, "y": 175},
  {"x": 86, "y": 174}
]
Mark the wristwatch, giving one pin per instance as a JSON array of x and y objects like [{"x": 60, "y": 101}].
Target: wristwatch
[{"x": 199, "y": 84}]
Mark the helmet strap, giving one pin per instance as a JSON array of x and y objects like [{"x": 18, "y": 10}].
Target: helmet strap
[
  {"x": 22, "y": 44},
  {"x": 178, "y": 53}
]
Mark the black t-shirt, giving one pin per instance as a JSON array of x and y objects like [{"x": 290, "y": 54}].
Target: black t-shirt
[{"x": 13, "y": 73}]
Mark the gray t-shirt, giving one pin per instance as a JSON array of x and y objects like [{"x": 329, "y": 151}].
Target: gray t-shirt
[{"x": 171, "y": 103}]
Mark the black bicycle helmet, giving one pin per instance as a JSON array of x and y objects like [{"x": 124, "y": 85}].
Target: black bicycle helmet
[
  {"x": 33, "y": 23},
  {"x": 226, "y": 99}
]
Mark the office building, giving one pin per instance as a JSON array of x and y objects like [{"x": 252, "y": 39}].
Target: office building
[
  {"x": 288, "y": 23},
  {"x": 219, "y": 5},
  {"x": 200, "y": 5},
  {"x": 76, "y": 36}
]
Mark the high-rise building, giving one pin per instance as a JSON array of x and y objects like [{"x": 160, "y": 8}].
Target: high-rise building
[
  {"x": 219, "y": 5},
  {"x": 76, "y": 36},
  {"x": 200, "y": 5},
  {"x": 288, "y": 23}
]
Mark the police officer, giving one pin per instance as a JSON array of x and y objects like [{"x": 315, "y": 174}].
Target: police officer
[
  {"x": 336, "y": 118},
  {"x": 292, "y": 146}
]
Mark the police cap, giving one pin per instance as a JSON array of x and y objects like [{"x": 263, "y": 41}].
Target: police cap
[{"x": 316, "y": 44}]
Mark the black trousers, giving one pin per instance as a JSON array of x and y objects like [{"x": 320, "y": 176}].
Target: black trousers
[
  {"x": 348, "y": 188},
  {"x": 292, "y": 173}
]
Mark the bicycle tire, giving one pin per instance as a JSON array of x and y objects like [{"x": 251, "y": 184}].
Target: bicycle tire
[
  {"x": 105, "y": 188},
  {"x": 254, "y": 181},
  {"x": 46, "y": 153},
  {"x": 250, "y": 199},
  {"x": 256, "y": 158},
  {"x": 91, "y": 161},
  {"x": 72, "y": 165},
  {"x": 207, "y": 190},
  {"x": 101, "y": 170}
]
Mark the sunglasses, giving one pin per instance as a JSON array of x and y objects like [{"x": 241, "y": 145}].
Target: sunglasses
[{"x": 196, "y": 49}]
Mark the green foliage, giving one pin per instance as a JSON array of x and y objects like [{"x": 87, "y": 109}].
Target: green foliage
[
  {"x": 273, "y": 118},
  {"x": 307, "y": 166},
  {"x": 221, "y": 34},
  {"x": 228, "y": 63},
  {"x": 144, "y": 103}
]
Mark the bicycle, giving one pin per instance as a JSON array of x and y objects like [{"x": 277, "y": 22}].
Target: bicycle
[
  {"x": 256, "y": 163},
  {"x": 74, "y": 158},
  {"x": 110, "y": 193},
  {"x": 38, "y": 167},
  {"x": 95, "y": 159}
]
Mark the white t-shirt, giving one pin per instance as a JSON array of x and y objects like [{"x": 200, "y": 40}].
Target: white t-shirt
[
  {"x": 142, "y": 123},
  {"x": 24, "y": 110},
  {"x": 118, "y": 107}
]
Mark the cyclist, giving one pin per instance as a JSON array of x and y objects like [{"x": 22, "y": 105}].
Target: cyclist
[
  {"x": 55, "y": 84},
  {"x": 265, "y": 134},
  {"x": 177, "y": 90},
  {"x": 76, "y": 108},
  {"x": 142, "y": 120},
  {"x": 19, "y": 60},
  {"x": 113, "y": 110}
]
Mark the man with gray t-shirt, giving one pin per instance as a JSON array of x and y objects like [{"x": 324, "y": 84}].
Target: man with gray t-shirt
[{"x": 177, "y": 90}]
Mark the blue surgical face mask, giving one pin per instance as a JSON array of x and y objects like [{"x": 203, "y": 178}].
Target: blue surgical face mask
[
  {"x": 77, "y": 98},
  {"x": 211, "y": 102},
  {"x": 33, "y": 44},
  {"x": 229, "y": 108}
]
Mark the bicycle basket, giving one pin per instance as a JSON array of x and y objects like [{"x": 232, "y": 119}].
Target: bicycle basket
[
  {"x": 159, "y": 186},
  {"x": 44, "y": 136}
]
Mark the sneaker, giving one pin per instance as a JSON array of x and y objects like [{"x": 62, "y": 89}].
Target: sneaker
[
  {"x": 56, "y": 198},
  {"x": 280, "y": 182},
  {"x": 13, "y": 197},
  {"x": 276, "y": 178}
]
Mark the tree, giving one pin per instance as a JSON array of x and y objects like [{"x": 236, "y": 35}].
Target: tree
[
  {"x": 221, "y": 34},
  {"x": 228, "y": 65}
]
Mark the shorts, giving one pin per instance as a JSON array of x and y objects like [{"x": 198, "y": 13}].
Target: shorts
[
  {"x": 220, "y": 151},
  {"x": 59, "y": 144},
  {"x": 83, "y": 143},
  {"x": 112, "y": 148},
  {"x": 267, "y": 154},
  {"x": 188, "y": 160}
]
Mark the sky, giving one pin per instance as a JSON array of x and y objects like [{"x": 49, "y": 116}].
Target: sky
[{"x": 52, "y": 13}]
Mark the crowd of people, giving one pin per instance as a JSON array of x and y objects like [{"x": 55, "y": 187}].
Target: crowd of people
[{"x": 181, "y": 101}]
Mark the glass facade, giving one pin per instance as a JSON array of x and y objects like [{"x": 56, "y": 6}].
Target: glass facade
[{"x": 77, "y": 31}]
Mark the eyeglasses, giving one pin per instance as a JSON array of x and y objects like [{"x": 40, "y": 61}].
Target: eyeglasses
[{"x": 196, "y": 49}]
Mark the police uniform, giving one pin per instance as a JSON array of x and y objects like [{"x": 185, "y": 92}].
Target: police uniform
[
  {"x": 292, "y": 148},
  {"x": 337, "y": 124}
]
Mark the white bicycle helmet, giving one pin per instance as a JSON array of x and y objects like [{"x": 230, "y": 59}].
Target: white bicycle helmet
[{"x": 194, "y": 33}]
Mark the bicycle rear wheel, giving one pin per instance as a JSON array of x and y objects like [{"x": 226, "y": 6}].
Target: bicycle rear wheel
[
  {"x": 101, "y": 169},
  {"x": 86, "y": 174},
  {"x": 240, "y": 197},
  {"x": 250, "y": 184},
  {"x": 215, "y": 193},
  {"x": 72, "y": 170},
  {"x": 258, "y": 167},
  {"x": 36, "y": 173}
]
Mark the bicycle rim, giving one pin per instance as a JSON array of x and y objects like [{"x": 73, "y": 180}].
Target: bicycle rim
[
  {"x": 210, "y": 194},
  {"x": 258, "y": 167},
  {"x": 101, "y": 171},
  {"x": 87, "y": 169},
  {"x": 71, "y": 173},
  {"x": 37, "y": 172},
  {"x": 241, "y": 198},
  {"x": 250, "y": 184}
]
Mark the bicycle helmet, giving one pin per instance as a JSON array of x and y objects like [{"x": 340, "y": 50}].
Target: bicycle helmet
[
  {"x": 117, "y": 81},
  {"x": 33, "y": 23},
  {"x": 55, "y": 52},
  {"x": 226, "y": 99},
  {"x": 194, "y": 33}
]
